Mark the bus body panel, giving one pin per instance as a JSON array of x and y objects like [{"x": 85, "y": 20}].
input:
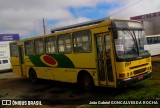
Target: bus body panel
[
  {"x": 17, "y": 70},
  {"x": 61, "y": 74},
  {"x": 154, "y": 49},
  {"x": 132, "y": 69}
]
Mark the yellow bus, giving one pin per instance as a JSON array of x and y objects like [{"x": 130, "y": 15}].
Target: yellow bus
[{"x": 106, "y": 52}]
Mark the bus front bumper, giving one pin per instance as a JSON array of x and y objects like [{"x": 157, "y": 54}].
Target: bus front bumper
[{"x": 133, "y": 80}]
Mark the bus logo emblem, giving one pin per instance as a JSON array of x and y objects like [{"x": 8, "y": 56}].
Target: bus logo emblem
[{"x": 48, "y": 60}]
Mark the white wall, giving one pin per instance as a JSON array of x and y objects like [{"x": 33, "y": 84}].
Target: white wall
[{"x": 4, "y": 50}]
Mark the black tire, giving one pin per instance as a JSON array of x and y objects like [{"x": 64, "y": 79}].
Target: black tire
[
  {"x": 86, "y": 82},
  {"x": 33, "y": 76}
]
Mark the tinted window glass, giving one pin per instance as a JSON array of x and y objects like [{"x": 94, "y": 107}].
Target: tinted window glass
[
  {"x": 51, "y": 46},
  {"x": 14, "y": 49},
  {"x": 5, "y": 61},
  {"x": 64, "y": 43},
  {"x": 29, "y": 47},
  {"x": 39, "y": 46},
  {"x": 82, "y": 41}
]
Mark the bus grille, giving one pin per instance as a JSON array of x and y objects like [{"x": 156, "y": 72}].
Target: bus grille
[
  {"x": 139, "y": 71},
  {"x": 139, "y": 66}
]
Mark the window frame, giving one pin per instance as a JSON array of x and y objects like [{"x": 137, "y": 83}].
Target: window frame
[
  {"x": 64, "y": 37},
  {"x": 5, "y": 61},
  {"x": 80, "y": 34},
  {"x": 55, "y": 44},
  {"x": 14, "y": 50},
  {"x": 32, "y": 46},
  {"x": 39, "y": 46},
  {"x": 153, "y": 40}
]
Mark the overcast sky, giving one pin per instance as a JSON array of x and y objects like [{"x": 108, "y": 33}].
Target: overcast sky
[{"x": 25, "y": 17}]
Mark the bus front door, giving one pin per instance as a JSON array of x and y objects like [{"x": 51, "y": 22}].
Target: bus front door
[
  {"x": 21, "y": 60},
  {"x": 104, "y": 63}
]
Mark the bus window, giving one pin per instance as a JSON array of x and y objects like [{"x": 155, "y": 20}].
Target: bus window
[
  {"x": 108, "y": 60},
  {"x": 149, "y": 40},
  {"x": 108, "y": 47},
  {"x": 158, "y": 39},
  {"x": 64, "y": 43},
  {"x": 39, "y": 46},
  {"x": 155, "y": 39},
  {"x": 29, "y": 47},
  {"x": 82, "y": 41},
  {"x": 14, "y": 49},
  {"x": 50, "y": 43},
  {"x": 5, "y": 61}
]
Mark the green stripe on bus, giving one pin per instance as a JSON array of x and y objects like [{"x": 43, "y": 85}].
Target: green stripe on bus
[{"x": 63, "y": 61}]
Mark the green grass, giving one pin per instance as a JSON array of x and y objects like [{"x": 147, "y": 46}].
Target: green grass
[{"x": 145, "y": 90}]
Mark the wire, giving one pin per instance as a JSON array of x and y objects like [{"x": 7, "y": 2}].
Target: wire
[{"x": 126, "y": 8}]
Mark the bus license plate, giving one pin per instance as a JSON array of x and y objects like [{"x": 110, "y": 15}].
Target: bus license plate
[{"x": 140, "y": 77}]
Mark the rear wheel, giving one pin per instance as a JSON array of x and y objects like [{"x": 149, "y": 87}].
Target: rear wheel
[
  {"x": 86, "y": 82},
  {"x": 33, "y": 76}
]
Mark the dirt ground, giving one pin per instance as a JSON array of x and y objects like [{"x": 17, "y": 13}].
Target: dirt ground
[
  {"x": 50, "y": 93},
  {"x": 60, "y": 95}
]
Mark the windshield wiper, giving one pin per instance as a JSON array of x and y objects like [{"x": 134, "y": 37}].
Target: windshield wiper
[{"x": 133, "y": 37}]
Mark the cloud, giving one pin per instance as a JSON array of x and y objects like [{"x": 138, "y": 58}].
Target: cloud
[
  {"x": 68, "y": 22},
  {"x": 19, "y": 16},
  {"x": 140, "y": 7},
  {"x": 25, "y": 16}
]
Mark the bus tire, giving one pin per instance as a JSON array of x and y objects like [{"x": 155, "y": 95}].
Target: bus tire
[
  {"x": 33, "y": 76},
  {"x": 85, "y": 82}
]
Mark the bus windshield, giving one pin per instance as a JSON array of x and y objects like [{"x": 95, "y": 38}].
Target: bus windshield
[{"x": 131, "y": 44}]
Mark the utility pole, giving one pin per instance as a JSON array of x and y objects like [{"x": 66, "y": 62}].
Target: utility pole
[{"x": 44, "y": 29}]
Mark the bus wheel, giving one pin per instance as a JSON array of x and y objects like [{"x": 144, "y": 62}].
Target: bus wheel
[
  {"x": 86, "y": 82},
  {"x": 33, "y": 76}
]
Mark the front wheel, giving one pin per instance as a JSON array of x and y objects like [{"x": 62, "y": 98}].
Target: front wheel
[{"x": 33, "y": 76}]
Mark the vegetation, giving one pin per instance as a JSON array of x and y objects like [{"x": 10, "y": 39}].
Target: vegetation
[{"x": 145, "y": 90}]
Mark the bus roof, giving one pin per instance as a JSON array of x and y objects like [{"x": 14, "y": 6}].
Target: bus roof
[
  {"x": 88, "y": 23},
  {"x": 158, "y": 35}
]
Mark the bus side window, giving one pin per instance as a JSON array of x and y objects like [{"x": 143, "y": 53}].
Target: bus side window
[
  {"x": 29, "y": 47},
  {"x": 82, "y": 41},
  {"x": 51, "y": 46},
  {"x": 39, "y": 46},
  {"x": 158, "y": 39},
  {"x": 5, "y": 61},
  {"x": 64, "y": 43},
  {"x": 149, "y": 40},
  {"x": 155, "y": 39},
  {"x": 14, "y": 49}
]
